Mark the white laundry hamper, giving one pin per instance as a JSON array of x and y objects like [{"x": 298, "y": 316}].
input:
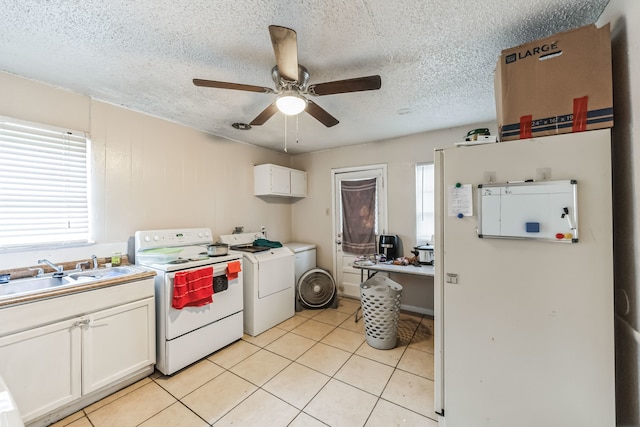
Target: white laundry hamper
[{"x": 380, "y": 299}]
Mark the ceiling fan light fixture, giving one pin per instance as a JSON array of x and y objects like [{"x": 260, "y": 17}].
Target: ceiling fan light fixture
[{"x": 291, "y": 104}]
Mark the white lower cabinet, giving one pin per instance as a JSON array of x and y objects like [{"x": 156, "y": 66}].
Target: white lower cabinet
[
  {"x": 42, "y": 367},
  {"x": 67, "y": 364},
  {"x": 115, "y": 343}
]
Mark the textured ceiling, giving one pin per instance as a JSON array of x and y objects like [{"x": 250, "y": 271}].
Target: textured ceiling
[{"x": 435, "y": 57}]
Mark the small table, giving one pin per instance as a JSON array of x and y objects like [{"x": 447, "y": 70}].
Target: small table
[{"x": 422, "y": 270}]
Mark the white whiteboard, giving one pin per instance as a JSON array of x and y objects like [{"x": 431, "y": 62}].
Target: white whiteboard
[{"x": 545, "y": 210}]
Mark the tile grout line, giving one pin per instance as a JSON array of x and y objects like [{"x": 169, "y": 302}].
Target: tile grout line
[
  {"x": 295, "y": 361},
  {"x": 179, "y": 400},
  {"x": 352, "y": 353}
]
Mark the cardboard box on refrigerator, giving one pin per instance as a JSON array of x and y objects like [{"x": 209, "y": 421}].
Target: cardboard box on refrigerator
[{"x": 560, "y": 84}]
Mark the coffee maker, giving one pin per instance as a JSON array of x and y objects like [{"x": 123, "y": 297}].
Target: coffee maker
[{"x": 388, "y": 246}]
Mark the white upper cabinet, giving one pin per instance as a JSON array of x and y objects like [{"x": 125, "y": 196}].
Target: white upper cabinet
[
  {"x": 298, "y": 183},
  {"x": 274, "y": 180}
]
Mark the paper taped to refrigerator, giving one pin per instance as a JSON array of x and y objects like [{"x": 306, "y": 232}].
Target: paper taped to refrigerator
[
  {"x": 460, "y": 200},
  {"x": 544, "y": 210}
]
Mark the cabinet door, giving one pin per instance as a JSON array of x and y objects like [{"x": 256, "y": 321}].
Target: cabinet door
[
  {"x": 298, "y": 183},
  {"x": 41, "y": 367},
  {"x": 280, "y": 180},
  {"x": 117, "y": 342}
]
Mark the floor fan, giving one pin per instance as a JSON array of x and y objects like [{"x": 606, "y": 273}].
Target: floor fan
[{"x": 316, "y": 289}]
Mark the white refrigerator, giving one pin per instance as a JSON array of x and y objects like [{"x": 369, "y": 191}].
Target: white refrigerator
[{"x": 524, "y": 302}]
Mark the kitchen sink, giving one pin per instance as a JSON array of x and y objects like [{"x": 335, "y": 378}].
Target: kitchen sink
[
  {"x": 102, "y": 273},
  {"x": 33, "y": 285}
]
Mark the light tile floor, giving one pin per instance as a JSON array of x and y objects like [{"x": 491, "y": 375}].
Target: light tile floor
[{"x": 315, "y": 369}]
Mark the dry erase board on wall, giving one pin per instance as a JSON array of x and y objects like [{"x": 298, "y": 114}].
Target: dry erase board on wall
[{"x": 544, "y": 210}]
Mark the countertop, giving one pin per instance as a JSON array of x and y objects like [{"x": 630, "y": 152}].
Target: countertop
[{"x": 140, "y": 274}]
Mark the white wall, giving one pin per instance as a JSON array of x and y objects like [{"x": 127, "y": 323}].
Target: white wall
[
  {"x": 312, "y": 223},
  {"x": 624, "y": 16},
  {"x": 148, "y": 173}
]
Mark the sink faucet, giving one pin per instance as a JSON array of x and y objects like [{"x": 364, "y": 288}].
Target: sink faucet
[
  {"x": 39, "y": 271},
  {"x": 58, "y": 268},
  {"x": 80, "y": 266},
  {"x": 87, "y": 264}
]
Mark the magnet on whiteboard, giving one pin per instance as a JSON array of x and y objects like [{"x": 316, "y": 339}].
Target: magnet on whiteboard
[
  {"x": 460, "y": 215},
  {"x": 532, "y": 227}
]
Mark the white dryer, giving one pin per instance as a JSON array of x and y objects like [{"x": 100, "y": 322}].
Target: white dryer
[{"x": 269, "y": 282}]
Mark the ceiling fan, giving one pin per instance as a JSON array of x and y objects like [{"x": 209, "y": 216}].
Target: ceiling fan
[{"x": 292, "y": 82}]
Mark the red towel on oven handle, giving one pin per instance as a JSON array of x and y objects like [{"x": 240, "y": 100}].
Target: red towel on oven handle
[
  {"x": 233, "y": 268},
  {"x": 193, "y": 288}
]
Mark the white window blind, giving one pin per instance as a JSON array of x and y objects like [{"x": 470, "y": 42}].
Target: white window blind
[
  {"x": 425, "y": 203},
  {"x": 43, "y": 184}
]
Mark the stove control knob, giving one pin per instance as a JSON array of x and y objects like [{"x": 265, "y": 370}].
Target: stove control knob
[
  {"x": 206, "y": 233},
  {"x": 147, "y": 238},
  {"x": 156, "y": 237}
]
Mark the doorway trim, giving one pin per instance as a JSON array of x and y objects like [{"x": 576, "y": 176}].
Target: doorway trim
[{"x": 383, "y": 225}]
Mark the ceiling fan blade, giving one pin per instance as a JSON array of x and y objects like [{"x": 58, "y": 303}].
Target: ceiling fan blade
[
  {"x": 285, "y": 46},
  {"x": 266, "y": 114},
  {"x": 320, "y": 114},
  {"x": 235, "y": 86},
  {"x": 343, "y": 86}
]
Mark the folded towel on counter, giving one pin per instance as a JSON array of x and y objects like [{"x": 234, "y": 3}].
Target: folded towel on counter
[
  {"x": 193, "y": 288},
  {"x": 267, "y": 243},
  {"x": 233, "y": 268}
]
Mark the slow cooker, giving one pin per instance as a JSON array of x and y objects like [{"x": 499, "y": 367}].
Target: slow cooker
[{"x": 424, "y": 254}]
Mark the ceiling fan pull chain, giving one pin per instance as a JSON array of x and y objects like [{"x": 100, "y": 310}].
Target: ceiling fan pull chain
[
  {"x": 297, "y": 130},
  {"x": 285, "y": 133}
]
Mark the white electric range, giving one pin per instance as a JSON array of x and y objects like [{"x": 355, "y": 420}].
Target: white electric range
[
  {"x": 269, "y": 286},
  {"x": 188, "y": 334}
]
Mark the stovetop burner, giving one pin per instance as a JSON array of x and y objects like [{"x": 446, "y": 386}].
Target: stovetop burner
[
  {"x": 178, "y": 261},
  {"x": 206, "y": 254}
]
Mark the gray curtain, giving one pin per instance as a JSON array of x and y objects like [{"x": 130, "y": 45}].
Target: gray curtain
[{"x": 359, "y": 216}]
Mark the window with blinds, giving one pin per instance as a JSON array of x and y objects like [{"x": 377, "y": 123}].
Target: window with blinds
[
  {"x": 43, "y": 185},
  {"x": 425, "y": 203}
]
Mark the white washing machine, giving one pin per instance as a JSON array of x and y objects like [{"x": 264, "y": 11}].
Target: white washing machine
[
  {"x": 315, "y": 287},
  {"x": 269, "y": 282}
]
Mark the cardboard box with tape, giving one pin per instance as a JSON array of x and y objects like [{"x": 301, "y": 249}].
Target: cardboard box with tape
[{"x": 560, "y": 84}]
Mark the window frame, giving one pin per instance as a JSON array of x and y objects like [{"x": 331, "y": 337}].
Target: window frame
[
  {"x": 423, "y": 237},
  {"x": 45, "y": 183}
]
